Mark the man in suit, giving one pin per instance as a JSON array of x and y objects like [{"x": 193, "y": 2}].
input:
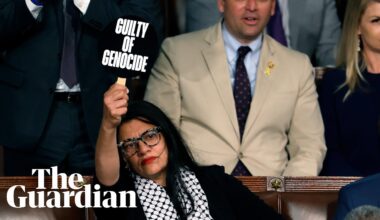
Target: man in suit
[
  {"x": 258, "y": 117},
  {"x": 311, "y": 27},
  {"x": 365, "y": 191},
  {"x": 47, "y": 116}
]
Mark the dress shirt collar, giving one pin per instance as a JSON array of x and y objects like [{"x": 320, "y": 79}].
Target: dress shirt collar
[{"x": 232, "y": 45}]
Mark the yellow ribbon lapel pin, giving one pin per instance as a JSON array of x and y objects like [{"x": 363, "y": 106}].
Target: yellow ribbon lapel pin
[{"x": 269, "y": 68}]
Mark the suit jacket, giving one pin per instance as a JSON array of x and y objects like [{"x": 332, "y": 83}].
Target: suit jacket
[
  {"x": 30, "y": 63},
  {"x": 227, "y": 198},
  {"x": 314, "y": 26},
  {"x": 190, "y": 83},
  {"x": 314, "y": 29},
  {"x": 362, "y": 192},
  {"x": 351, "y": 126}
]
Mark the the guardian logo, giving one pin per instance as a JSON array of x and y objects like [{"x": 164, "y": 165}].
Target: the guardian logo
[{"x": 65, "y": 189}]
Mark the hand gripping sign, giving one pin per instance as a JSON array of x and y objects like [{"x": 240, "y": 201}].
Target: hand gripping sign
[{"x": 128, "y": 48}]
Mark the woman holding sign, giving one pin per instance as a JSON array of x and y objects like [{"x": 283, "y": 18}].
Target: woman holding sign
[{"x": 160, "y": 169}]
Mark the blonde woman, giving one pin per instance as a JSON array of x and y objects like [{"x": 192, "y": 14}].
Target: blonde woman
[{"x": 350, "y": 96}]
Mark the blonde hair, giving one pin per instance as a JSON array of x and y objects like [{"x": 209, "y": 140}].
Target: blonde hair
[{"x": 348, "y": 54}]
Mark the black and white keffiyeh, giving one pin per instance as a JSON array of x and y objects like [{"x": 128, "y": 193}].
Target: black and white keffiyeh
[{"x": 157, "y": 204}]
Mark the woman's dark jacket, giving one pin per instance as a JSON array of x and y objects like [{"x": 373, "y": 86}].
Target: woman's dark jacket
[{"x": 227, "y": 198}]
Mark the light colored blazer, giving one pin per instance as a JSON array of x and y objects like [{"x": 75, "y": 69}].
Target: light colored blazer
[{"x": 190, "y": 83}]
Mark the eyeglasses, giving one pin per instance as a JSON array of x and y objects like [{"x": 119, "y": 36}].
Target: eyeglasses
[{"x": 150, "y": 138}]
